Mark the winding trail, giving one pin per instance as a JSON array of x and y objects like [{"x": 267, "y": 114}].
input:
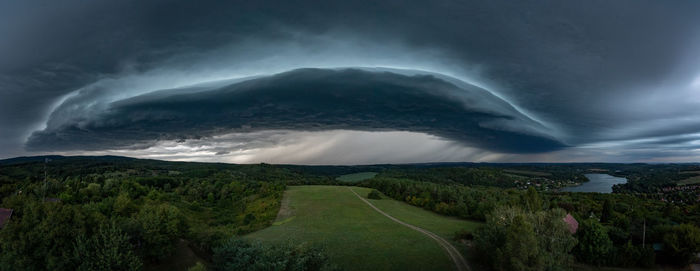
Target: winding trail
[{"x": 454, "y": 254}]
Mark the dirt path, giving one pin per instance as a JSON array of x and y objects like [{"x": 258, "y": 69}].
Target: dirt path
[
  {"x": 454, "y": 254},
  {"x": 285, "y": 211}
]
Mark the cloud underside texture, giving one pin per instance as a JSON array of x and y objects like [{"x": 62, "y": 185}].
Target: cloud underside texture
[
  {"x": 621, "y": 77},
  {"x": 299, "y": 100}
]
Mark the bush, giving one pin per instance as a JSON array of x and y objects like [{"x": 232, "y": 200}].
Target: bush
[
  {"x": 682, "y": 243},
  {"x": 374, "y": 194},
  {"x": 463, "y": 235},
  {"x": 108, "y": 249},
  {"x": 514, "y": 239},
  {"x": 197, "y": 267},
  {"x": 160, "y": 226},
  {"x": 238, "y": 254},
  {"x": 631, "y": 255}
]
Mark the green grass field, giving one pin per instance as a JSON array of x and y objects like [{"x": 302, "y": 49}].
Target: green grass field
[
  {"x": 355, "y": 236},
  {"x": 691, "y": 180},
  {"x": 356, "y": 177}
]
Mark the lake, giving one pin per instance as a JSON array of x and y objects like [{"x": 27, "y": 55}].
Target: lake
[{"x": 601, "y": 183}]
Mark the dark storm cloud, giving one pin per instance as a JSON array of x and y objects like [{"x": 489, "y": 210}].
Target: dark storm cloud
[
  {"x": 305, "y": 100},
  {"x": 592, "y": 71}
]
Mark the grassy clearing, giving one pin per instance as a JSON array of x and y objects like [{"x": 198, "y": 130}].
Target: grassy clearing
[
  {"x": 358, "y": 238},
  {"x": 356, "y": 177},
  {"x": 691, "y": 180}
]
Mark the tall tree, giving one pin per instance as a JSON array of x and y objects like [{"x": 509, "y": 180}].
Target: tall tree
[
  {"x": 514, "y": 239},
  {"x": 108, "y": 249},
  {"x": 520, "y": 251},
  {"x": 594, "y": 245},
  {"x": 607, "y": 213},
  {"x": 533, "y": 202},
  {"x": 161, "y": 225},
  {"x": 554, "y": 239},
  {"x": 682, "y": 243}
]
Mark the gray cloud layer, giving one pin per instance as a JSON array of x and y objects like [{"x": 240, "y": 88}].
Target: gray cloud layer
[
  {"x": 305, "y": 100},
  {"x": 594, "y": 73}
]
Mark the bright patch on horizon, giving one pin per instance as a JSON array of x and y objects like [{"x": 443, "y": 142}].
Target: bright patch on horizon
[{"x": 316, "y": 148}]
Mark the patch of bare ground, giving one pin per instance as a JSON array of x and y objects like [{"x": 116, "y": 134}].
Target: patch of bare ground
[{"x": 285, "y": 211}]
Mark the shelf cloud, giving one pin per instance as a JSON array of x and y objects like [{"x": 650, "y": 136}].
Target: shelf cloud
[{"x": 298, "y": 100}]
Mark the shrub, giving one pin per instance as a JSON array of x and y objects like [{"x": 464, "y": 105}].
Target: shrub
[
  {"x": 463, "y": 235},
  {"x": 514, "y": 239},
  {"x": 238, "y": 254},
  {"x": 630, "y": 255},
  {"x": 197, "y": 267},
  {"x": 682, "y": 243},
  {"x": 160, "y": 227},
  {"x": 374, "y": 194},
  {"x": 108, "y": 249}
]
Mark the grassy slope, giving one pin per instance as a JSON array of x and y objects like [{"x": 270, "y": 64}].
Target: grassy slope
[
  {"x": 356, "y": 177},
  {"x": 444, "y": 226},
  {"x": 357, "y": 237},
  {"x": 441, "y": 225},
  {"x": 691, "y": 180}
]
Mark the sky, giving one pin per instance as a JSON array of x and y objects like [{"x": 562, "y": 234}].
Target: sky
[{"x": 352, "y": 82}]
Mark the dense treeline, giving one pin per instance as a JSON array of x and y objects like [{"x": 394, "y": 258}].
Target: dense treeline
[
  {"x": 454, "y": 200},
  {"x": 654, "y": 180},
  {"x": 643, "y": 178},
  {"x": 241, "y": 255},
  {"x": 116, "y": 213},
  {"x": 460, "y": 175},
  {"x": 542, "y": 176},
  {"x": 624, "y": 228}
]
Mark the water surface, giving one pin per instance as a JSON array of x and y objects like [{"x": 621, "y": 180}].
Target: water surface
[{"x": 601, "y": 183}]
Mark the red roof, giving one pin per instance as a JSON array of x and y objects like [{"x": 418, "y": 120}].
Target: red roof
[
  {"x": 571, "y": 223},
  {"x": 5, "y": 215}
]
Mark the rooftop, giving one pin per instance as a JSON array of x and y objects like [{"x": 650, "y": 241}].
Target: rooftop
[{"x": 571, "y": 223}]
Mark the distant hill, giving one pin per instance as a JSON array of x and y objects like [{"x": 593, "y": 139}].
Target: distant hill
[{"x": 29, "y": 159}]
